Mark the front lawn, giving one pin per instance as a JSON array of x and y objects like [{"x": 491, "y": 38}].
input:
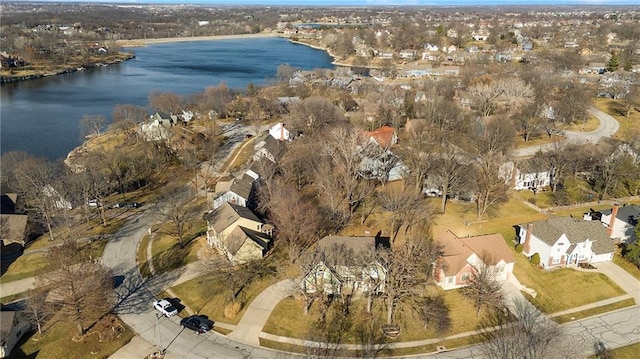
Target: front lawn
[
  {"x": 56, "y": 342},
  {"x": 594, "y": 311},
  {"x": 626, "y": 265},
  {"x": 24, "y": 266},
  {"x": 209, "y": 294},
  {"x": 564, "y": 288},
  {"x": 288, "y": 319}
]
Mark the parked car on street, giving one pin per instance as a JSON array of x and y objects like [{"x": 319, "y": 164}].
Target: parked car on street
[
  {"x": 165, "y": 307},
  {"x": 197, "y": 323}
]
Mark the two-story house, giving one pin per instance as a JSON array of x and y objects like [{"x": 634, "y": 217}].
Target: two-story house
[
  {"x": 565, "y": 241},
  {"x": 238, "y": 233},
  {"x": 341, "y": 274}
]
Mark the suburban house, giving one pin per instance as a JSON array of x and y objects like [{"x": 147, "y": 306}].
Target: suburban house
[
  {"x": 462, "y": 257},
  {"x": 13, "y": 325},
  {"x": 14, "y": 226},
  {"x": 156, "y": 129},
  {"x": 378, "y": 162},
  {"x": 385, "y": 136},
  {"x": 238, "y": 233},
  {"x": 269, "y": 148},
  {"x": 238, "y": 191},
  {"x": 529, "y": 174},
  {"x": 335, "y": 275},
  {"x": 620, "y": 222},
  {"x": 565, "y": 241},
  {"x": 279, "y": 132}
]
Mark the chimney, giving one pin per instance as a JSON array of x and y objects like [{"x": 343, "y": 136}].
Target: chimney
[
  {"x": 282, "y": 132},
  {"x": 612, "y": 220},
  {"x": 527, "y": 239}
]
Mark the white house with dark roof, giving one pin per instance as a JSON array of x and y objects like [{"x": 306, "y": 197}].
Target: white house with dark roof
[
  {"x": 529, "y": 174},
  {"x": 565, "y": 241},
  {"x": 238, "y": 191},
  {"x": 620, "y": 222},
  {"x": 462, "y": 257}
]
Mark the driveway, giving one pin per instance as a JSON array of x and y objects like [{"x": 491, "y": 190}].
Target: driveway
[
  {"x": 622, "y": 278},
  {"x": 607, "y": 127}
]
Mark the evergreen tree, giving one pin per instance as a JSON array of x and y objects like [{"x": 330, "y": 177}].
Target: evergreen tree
[{"x": 613, "y": 63}]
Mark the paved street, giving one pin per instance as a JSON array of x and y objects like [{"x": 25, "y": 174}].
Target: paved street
[{"x": 607, "y": 127}]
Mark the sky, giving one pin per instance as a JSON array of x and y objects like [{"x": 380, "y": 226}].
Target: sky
[{"x": 376, "y": 2}]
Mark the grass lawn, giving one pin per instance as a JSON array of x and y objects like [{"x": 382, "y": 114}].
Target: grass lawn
[
  {"x": 56, "y": 342},
  {"x": 564, "y": 288},
  {"x": 629, "y": 127},
  {"x": 591, "y": 125},
  {"x": 626, "y": 265},
  {"x": 288, "y": 319},
  {"x": 209, "y": 294},
  {"x": 141, "y": 257},
  {"x": 24, "y": 266},
  {"x": 594, "y": 311},
  {"x": 29, "y": 265},
  {"x": 628, "y": 352},
  {"x": 168, "y": 255},
  {"x": 544, "y": 139}
]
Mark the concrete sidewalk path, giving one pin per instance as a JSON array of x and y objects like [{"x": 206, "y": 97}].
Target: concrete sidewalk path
[
  {"x": 250, "y": 326},
  {"x": 622, "y": 278},
  {"x": 17, "y": 286}
]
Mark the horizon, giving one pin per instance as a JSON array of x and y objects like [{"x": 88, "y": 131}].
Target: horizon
[{"x": 372, "y": 3}]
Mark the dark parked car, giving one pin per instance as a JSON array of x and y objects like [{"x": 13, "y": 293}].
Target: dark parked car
[
  {"x": 197, "y": 323},
  {"x": 130, "y": 205}
]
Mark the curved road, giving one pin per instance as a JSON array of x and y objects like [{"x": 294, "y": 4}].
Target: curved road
[
  {"x": 607, "y": 127},
  {"x": 134, "y": 304}
]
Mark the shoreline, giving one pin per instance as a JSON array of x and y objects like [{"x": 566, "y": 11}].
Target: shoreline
[{"x": 167, "y": 40}]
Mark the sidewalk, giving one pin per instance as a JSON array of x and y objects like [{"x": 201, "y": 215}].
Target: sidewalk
[
  {"x": 250, "y": 326},
  {"x": 16, "y": 287}
]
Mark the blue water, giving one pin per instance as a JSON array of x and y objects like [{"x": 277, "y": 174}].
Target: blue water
[{"x": 42, "y": 116}]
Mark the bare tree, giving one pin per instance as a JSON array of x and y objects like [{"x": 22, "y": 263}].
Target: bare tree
[
  {"x": 483, "y": 288},
  {"x": 407, "y": 208},
  {"x": 92, "y": 125},
  {"x": 37, "y": 307},
  {"x": 451, "y": 170},
  {"x": 433, "y": 309},
  {"x": 314, "y": 113},
  {"x": 167, "y": 102},
  {"x": 80, "y": 285},
  {"x": 531, "y": 336},
  {"x": 295, "y": 218},
  {"x": 490, "y": 187},
  {"x": 34, "y": 177},
  {"x": 405, "y": 268},
  {"x": 175, "y": 209}
]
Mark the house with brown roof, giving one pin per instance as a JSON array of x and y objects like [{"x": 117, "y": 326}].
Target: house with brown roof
[
  {"x": 564, "y": 241},
  {"x": 462, "y": 257},
  {"x": 269, "y": 148},
  {"x": 343, "y": 273},
  {"x": 13, "y": 226},
  {"x": 385, "y": 136},
  {"x": 238, "y": 233}
]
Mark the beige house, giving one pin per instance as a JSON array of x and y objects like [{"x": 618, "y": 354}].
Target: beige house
[{"x": 238, "y": 233}]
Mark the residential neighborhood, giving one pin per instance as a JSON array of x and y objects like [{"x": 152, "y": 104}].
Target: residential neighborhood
[{"x": 455, "y": 182}]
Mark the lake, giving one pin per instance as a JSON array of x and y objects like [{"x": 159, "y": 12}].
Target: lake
[{"x": 42, "y": 116}]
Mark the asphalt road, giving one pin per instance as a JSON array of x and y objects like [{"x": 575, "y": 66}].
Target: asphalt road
[{"x": 607, "y": 127}]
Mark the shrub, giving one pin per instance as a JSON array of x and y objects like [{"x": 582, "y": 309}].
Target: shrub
[
  {"x": 232, "y": 309},
  {"x": 519, "y": 248},
  {"x": 535, "y": 259}
]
